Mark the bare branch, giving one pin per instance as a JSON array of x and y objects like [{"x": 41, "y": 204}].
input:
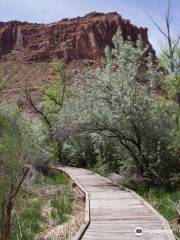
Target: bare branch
[
  {"x": 7, "y": 205},
  {"x": 176, "y": 44},
  {"x": 157, "y": 25},
  {"x": 24, "y": 175},
  {"x": 29, "y": 98}
]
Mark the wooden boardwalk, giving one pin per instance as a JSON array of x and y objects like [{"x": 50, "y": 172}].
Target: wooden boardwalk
[{"x": 113, "y": 213}]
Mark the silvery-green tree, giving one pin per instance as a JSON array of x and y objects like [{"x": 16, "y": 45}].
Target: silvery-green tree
[{"x": 119, "y": 101}]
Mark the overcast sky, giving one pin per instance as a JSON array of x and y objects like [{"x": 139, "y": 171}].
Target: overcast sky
[{"x": 47, "y": 11}]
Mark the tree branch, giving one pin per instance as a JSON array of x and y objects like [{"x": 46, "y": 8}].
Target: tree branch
[
  {"x": 157, "y": 25},
  {"x": 51, "y": 98},
  {"x": 29, "y": 98}
]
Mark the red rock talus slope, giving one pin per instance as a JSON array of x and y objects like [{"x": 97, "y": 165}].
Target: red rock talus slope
[{"x": 71, "y": 39}]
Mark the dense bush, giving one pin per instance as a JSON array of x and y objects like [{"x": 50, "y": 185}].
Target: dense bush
[
  {"x": 20, "y": 149},
  {"x": 119, "y": 101},
  {"x": 79, "y": 151},
  {"x": 92, "y": 150}
]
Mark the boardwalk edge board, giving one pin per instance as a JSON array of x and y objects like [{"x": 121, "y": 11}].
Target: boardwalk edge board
[{"x": 83, "y": 228}]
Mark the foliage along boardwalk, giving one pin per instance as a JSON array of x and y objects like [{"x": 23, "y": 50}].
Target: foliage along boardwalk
[{"x": 113, "y": 213}]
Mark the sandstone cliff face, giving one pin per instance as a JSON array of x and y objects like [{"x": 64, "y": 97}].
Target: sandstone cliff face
[
  {"x": 70, "y": 39},
  {"x": 26, "y": 49}
]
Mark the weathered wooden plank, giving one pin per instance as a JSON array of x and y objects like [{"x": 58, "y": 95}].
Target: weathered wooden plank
[{"x": 114, "y": 213}]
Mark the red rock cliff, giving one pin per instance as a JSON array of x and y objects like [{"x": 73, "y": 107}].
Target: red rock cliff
[{"x": 71, "y": 39}]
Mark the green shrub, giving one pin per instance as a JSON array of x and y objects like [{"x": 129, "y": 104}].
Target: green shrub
[
  {"x": 79, "y": 151},
  {"x": 19, "y": 148}
]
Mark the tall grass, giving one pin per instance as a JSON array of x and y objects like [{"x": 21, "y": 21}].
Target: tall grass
[
  {"x": 62, "y": 207},
  {"x": 28, "y": 221},
  {"x": 28, "y": 217},
  {"x": 52, "y": 179}
]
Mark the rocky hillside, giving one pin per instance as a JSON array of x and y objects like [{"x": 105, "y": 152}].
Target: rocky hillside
[{"x": 26, "y": 49}]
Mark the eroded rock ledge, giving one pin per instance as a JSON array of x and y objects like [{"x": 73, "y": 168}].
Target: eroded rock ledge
[{"x": 71, "y": 39}]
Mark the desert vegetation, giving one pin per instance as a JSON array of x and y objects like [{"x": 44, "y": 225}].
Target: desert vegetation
[
  {"x": 33, "y": 203},
  {"x": 122, "y": 117},
  {"x": 124, "y": 113}
]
